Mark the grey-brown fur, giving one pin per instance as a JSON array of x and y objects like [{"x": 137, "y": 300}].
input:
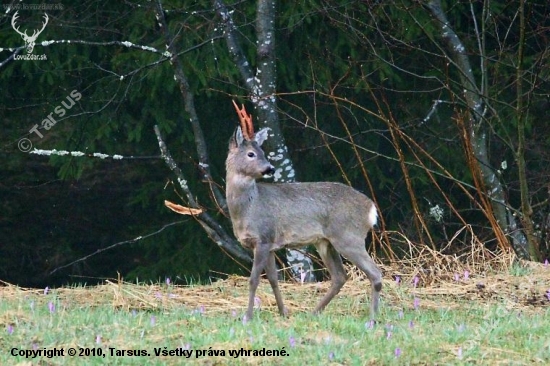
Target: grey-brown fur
[{"x": 334, "y": 217}]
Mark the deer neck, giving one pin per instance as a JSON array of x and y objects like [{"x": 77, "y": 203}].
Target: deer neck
[{"x": 241, "y": 191}]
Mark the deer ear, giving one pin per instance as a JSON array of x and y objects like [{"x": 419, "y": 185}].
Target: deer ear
[
  {"x": 237, "y": 139},
  {"x": 261, "y": 135}
]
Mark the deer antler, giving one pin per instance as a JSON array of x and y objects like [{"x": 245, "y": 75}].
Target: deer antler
[
  {"x": 46, "y": 18},
  {"x": 246, "y": 122},
  {"x": 13, "y": 19}
]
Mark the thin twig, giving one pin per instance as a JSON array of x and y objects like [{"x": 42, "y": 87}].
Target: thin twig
[{"x": 101, "y": 250}]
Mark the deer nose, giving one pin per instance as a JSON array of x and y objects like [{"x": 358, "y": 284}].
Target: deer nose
[{"x": 269, "y": 171}]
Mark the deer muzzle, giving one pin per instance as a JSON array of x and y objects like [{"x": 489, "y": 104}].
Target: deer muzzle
[{"x": 269, "y": 171}]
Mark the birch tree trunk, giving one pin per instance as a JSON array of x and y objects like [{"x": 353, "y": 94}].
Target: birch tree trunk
[
  {"x": 266, "y": 108},
  {"x": 261, "y": 86}
]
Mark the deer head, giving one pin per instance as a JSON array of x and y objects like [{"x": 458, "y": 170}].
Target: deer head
[
  {"x": 29, "y": 40},
  {"x": 246, "y": 157}
]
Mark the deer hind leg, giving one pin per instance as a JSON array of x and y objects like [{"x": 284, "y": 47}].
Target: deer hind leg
[
  {"x": 338, "y": 277},
  {"x": 354, "y": 250},
  {"x": 261, "y": 256},
  {"x": 271, "y": 271}
]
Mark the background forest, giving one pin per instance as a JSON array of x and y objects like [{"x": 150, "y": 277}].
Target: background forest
[{"x": 437, "y": 109}]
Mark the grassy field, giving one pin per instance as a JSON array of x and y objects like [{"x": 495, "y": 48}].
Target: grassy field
[{"x": 461, "y": 317}]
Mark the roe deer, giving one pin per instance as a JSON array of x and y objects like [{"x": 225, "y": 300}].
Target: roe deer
[{"x": 335, "y": 218}]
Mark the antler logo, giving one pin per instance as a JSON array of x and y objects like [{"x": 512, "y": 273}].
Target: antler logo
[{"x": 29, "y": 40}]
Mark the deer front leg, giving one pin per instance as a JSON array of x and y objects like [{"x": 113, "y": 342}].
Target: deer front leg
[
  {"x": 271, "y": 271},
  {"x": 261, "y": 256}
]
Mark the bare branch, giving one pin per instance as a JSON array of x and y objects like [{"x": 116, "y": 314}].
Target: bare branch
[
  {"x": 166, "y": 55},
  {"x": 229, "y": 33},
  {"x": 214, "y": 230},
  {"x": 174, "y": 167},
  {"x": 189, "y": 105},
  {"x": 12, "y": 56}
]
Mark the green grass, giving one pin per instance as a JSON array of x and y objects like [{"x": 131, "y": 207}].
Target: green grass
[{"x": 450, "y": 325}]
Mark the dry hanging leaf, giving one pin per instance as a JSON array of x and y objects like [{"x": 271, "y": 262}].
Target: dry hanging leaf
[{"x": 182, "y": 210}]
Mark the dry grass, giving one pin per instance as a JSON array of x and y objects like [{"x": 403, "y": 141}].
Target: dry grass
[{"x": 440, "y": 278}]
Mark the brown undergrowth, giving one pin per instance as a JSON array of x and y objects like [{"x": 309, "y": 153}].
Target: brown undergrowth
[{"x": 437, "y": 279}]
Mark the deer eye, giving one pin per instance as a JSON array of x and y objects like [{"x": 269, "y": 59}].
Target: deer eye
[{"x": 251, "y": 154}]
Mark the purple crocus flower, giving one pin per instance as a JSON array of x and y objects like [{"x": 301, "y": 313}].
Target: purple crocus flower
[
  {"x": 369, "y": 324},
  {"x": 46, "y": 290},
  {"x": 51, "y": 307},
  {"x": 397, "y": 352},
  {"x": 415, "y": 281},
  {"x": 389, "y": 329},
  {"x": 416, "y": 303},
  {"x": 292, "y": 341},
  {"x": 9, "y": 328}
]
